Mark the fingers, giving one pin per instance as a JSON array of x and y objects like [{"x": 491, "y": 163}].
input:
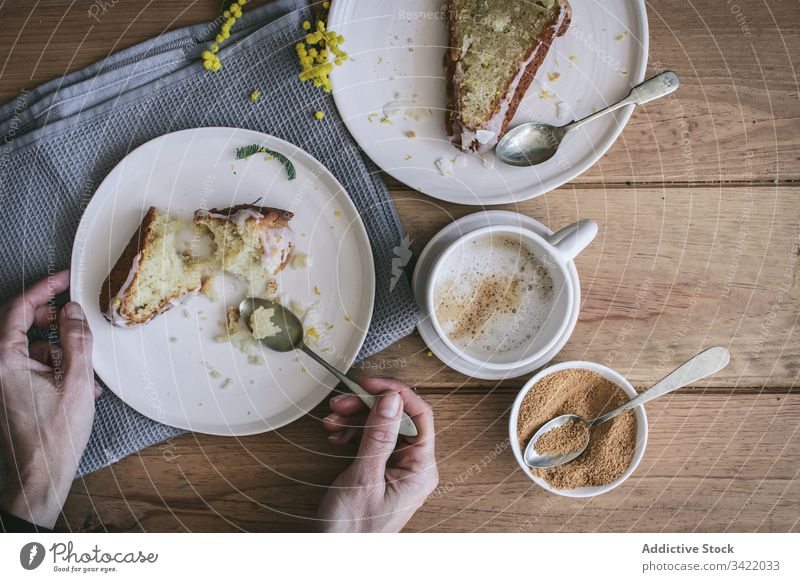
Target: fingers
[
  {"x": 349, "y": 415},
  {"x": 413, "y": 405},
  {"x": 379, "y": 438},
  {"x": 347, "y": 405},
  {"x": 45, "y": 352},
  {"x": 18, "y": 315},
  {"x": 45, "y": 316},
  {"x": 76, "y": 341},
  {"x": 343, "y": 437},
  {"x": 336, "y": 422}
]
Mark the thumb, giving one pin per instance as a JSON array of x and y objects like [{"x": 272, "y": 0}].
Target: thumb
[
  {"x": 379, "y": 438},
  {"x": 76, "y": 343}
]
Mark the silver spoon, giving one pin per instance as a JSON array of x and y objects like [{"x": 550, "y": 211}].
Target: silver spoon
[
  {"x": 533, "y": 143},
  {"x": 703, "y": 364},
  {"x": 290, "y": 338}
]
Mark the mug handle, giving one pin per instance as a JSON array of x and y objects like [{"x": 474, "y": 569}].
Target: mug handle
[{"x": 572, "y": 239}]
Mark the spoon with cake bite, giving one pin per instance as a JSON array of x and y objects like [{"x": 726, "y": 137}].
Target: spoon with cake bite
[
  {"x": 534, "y": 143},
  {"x": 280, "y": 330},
  {"x": 566, "y": 437}
]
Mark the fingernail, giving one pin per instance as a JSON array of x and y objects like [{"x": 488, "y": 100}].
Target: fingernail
[
  {"x": 389, "y": 405},
  {"x": 339, "y": 397},
  {"x": 332, "y": 418},
  {"x": 73, "y": 310}
]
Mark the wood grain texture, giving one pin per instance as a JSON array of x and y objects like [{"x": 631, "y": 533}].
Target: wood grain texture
[
  {"x": 713, "y": 463},
  {"x": 698, "y": 245},
  {"x": 671, "y": 271},
  {"x": 735, "y": 118}
]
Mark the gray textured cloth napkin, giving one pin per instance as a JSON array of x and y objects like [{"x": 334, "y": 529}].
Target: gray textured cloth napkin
[{"x": 62, "y": 138}]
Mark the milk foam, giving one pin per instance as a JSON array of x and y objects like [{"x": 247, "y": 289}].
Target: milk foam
[{"x": 493, "y": 295}]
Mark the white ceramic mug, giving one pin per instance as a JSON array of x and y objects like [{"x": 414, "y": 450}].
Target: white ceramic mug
[{"x": 554, "y": 252}]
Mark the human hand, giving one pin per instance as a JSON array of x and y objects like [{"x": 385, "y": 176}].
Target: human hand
[
  {"x": 47, "y": 396},
  {"x": 389, "y": 479}
]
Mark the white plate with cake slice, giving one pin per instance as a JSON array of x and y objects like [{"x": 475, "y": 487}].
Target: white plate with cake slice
[
  {"x": 236, "y": 227},
  {"x": 392, "y": 92}
]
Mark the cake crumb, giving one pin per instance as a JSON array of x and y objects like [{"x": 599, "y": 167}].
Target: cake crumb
[
  {"x": 261, "y": 323},
  {"x": 209, "y": 289},
  {"x": 299, "y": 261},
  {"x": 256, "y": 360}
]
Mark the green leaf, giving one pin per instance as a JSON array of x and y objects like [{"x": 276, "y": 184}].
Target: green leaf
[{"x": 251, "y": 150}]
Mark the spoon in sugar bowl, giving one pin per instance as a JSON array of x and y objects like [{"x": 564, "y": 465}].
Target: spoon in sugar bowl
[
  {"x": 283, "y": 332},
  {"x": 535, "y": 142},
  {"x": 703, "y": 364}
]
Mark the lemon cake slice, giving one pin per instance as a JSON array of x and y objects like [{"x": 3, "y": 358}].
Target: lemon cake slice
[
  {"x": 496, "y": 47},
  {"x": 150, "y": 275},
  {"x": 253, "y": 242}
]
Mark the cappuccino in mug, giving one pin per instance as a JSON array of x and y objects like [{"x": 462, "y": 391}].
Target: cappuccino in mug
[{"x": 493, "y": 295}]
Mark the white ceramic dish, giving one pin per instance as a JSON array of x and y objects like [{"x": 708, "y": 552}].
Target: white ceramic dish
[
  {"x": 397, "y": 50},
  {"x": 641, "y": 428},
  {"x": 555, "y": 252},
  {"x": 170, "y": 380},
  {"x": 422, "y": 273}
]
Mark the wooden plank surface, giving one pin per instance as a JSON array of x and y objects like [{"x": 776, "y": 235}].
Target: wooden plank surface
[
  {"x": 739, "y": 93},
  {"x": 714, "y": 462},
  {"x": 698, "y": 244},
  {"x": 672, "y": 269}
]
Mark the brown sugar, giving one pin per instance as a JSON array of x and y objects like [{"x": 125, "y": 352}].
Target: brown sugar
[
  {"x": 564, "y": 439},
  {"x": 587, "y": 394}
]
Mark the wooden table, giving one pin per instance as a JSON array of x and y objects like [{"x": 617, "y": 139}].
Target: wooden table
[{"x": 699, "y": 244}]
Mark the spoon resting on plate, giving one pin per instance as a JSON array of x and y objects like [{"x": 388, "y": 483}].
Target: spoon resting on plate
[
  {"x": 534, "y": 143},
  {"x": 288, "y": 335},
  {"x": 703, "y": 364}
]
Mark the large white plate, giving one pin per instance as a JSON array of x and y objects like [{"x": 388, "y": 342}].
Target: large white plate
[
  {"x": 396, "y": 50},
  {"x": 163, "y": 368}
]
